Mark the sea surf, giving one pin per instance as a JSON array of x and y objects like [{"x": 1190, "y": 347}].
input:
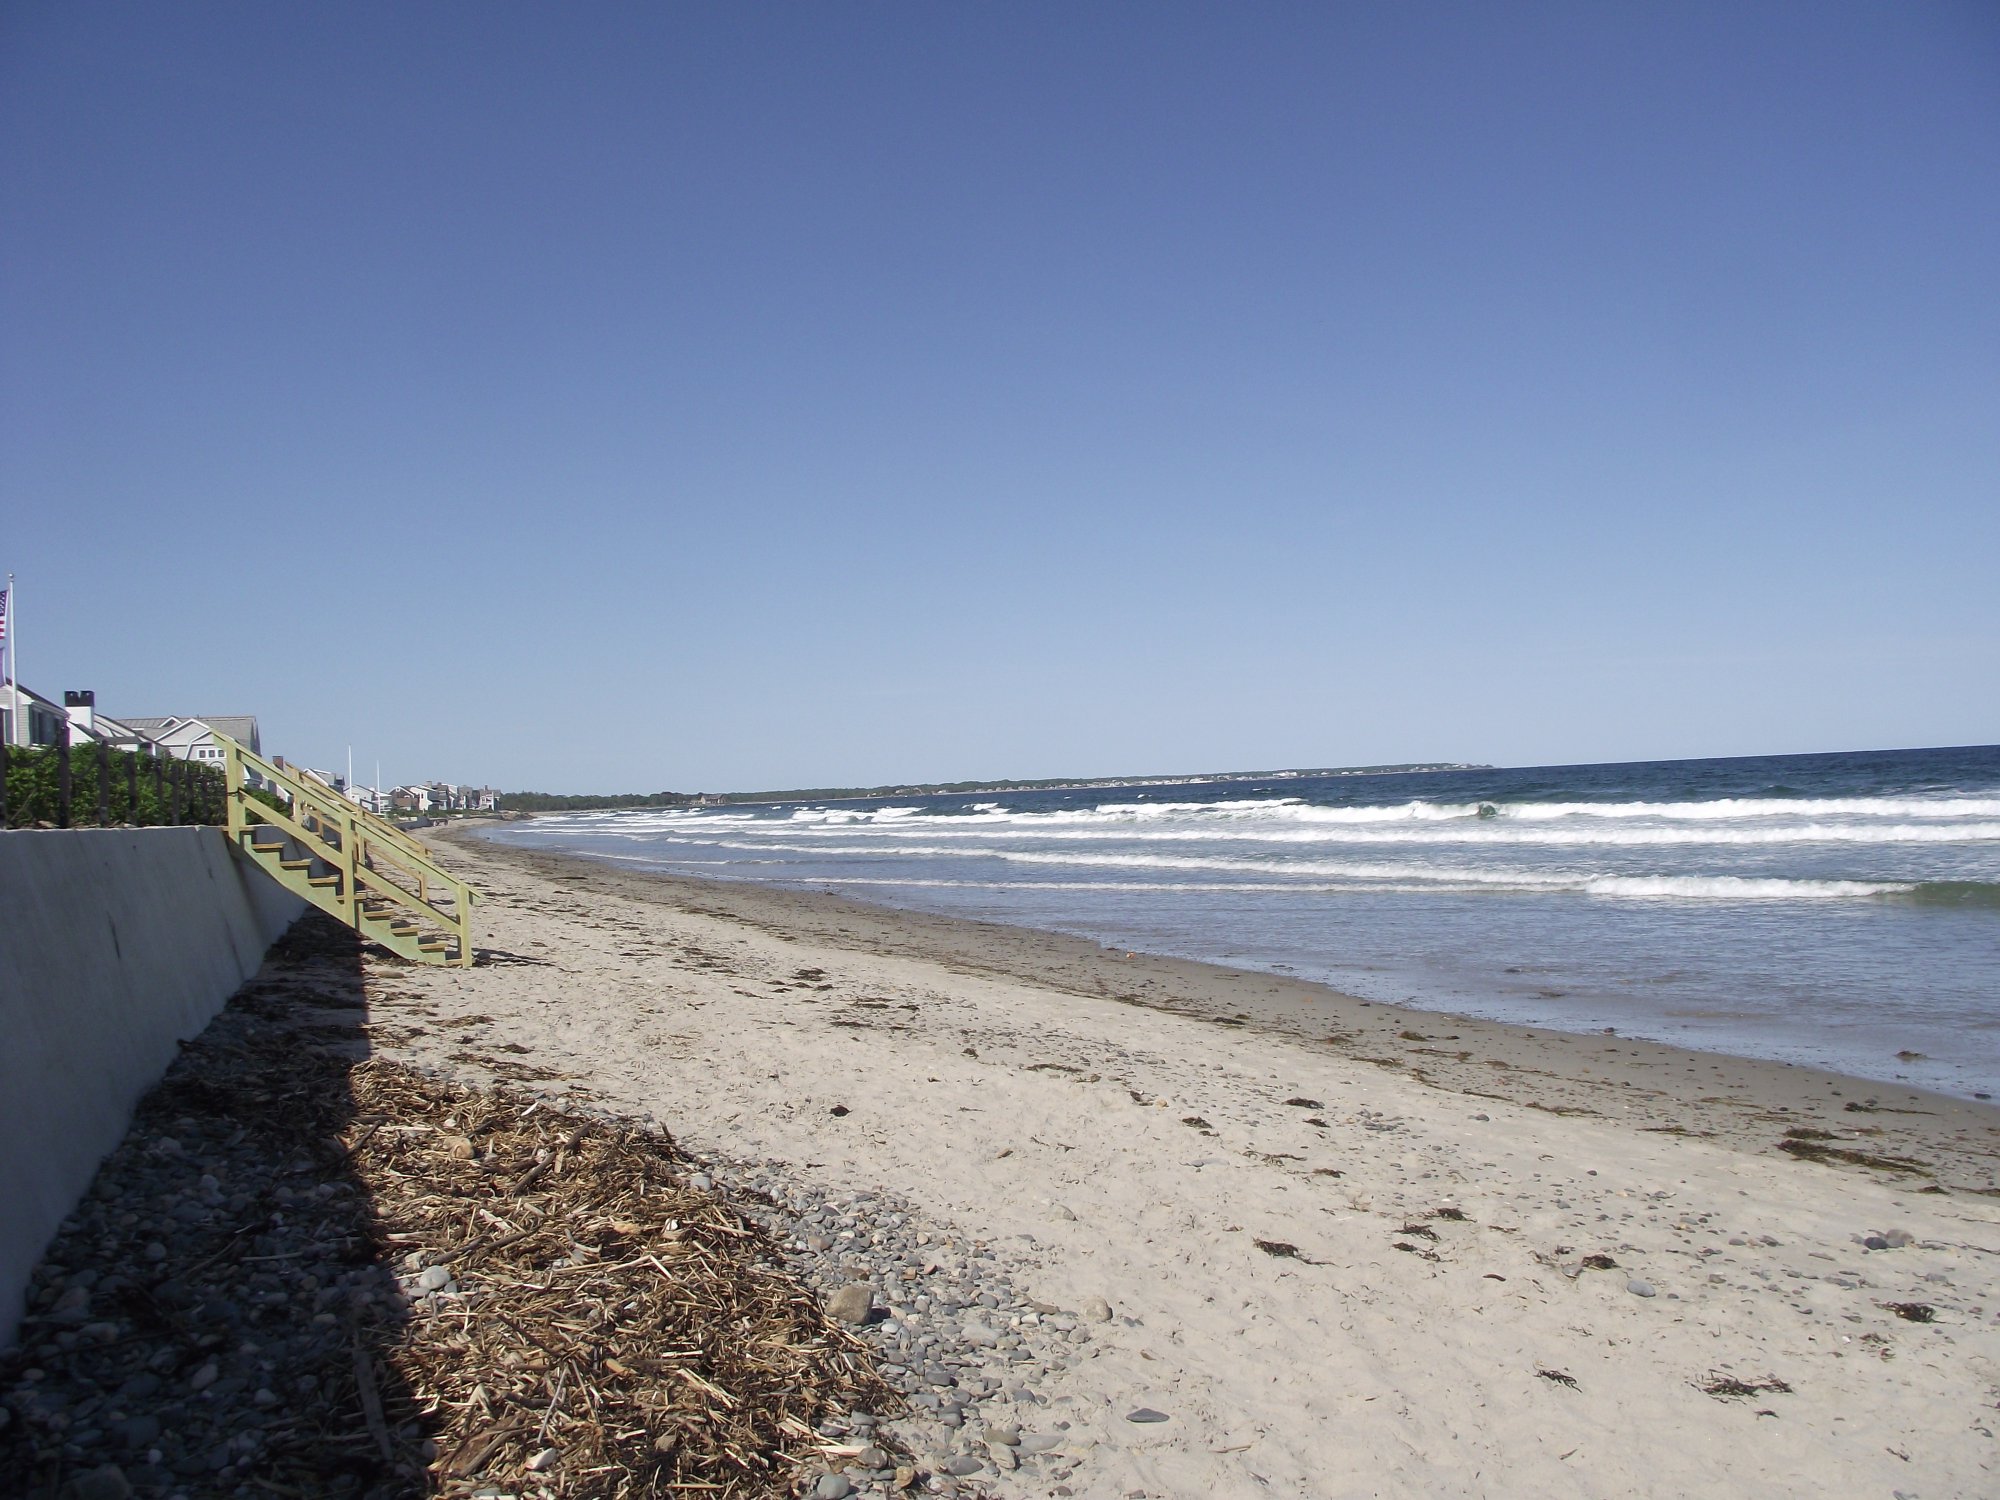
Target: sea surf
[{"x": 1838, "y": 910}]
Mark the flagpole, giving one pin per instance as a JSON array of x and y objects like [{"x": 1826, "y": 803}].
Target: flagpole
[{"x": 20, "y": 732}]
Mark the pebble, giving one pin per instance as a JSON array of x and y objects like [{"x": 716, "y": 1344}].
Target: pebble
[
  {"x": 1639, "y": 1288},
  {"x": 852, "y": 1303},
  {"x": 254, "y": 1286},
  {"x": 107, "y": 1482},
  {"x": 832, "y": 1487},
  {"x": 266, "y": 1335},
  {"x": 1147, "y": 1414},
  {"x": 962, "y": 1340}
]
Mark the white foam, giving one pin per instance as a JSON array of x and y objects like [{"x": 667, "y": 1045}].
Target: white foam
[
  {"x": 1737, "y": 888},
  {"x": 1403, "y": 882}
]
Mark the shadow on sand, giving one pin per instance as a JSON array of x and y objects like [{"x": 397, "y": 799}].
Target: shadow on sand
[{"x": 215, "y": 1317}]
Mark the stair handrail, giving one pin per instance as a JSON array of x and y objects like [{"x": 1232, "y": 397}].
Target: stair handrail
[{"x": 353, "y": 850}]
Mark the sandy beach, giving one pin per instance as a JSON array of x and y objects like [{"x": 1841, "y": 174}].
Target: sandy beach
[{"x": 1347, "y": 1249}]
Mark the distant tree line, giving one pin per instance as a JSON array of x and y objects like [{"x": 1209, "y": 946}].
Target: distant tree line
[
  {"x": 551, "y": 802},
  {"x": 587, "y": 802}
]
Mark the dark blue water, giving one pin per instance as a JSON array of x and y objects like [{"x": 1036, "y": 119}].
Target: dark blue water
[{"x": 1838, "y": 909}]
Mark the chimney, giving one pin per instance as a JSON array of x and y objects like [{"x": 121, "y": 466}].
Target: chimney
[{"x": 82, "y": 708}]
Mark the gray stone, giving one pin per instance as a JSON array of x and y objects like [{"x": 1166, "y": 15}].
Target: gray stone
[
  {"x": 106, "y": 1483},
  {"x": 961, "y": 1466},
  {"x": 434, "y": 1279},
  {"x": 1639, "y": 1288},
  {"x": 1003, "y": 1457},
  {"x": 851, "y": 1303},
  {"x": 1005, "y": 1432},
  {"x": 1899, "y": 1238},
  {"x": 1145, "y": 1414},
  {"x": 832, "y": 1487},
  {"x": 1097, "y": 1310},
  {"x": 1875, "y": 1242},
  {"x": 1041, "y": 1442}
]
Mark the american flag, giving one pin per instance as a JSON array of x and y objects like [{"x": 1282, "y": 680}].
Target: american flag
[{"x": 3, "y": 614}]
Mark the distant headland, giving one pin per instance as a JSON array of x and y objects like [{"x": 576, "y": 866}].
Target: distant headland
[{"x": 587, "y": 802}]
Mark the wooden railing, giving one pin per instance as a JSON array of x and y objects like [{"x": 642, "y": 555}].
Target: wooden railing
[{"x": 347, "y": 861}]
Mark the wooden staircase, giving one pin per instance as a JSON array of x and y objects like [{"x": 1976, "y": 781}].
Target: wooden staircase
[{"x": 348, "y": 862}]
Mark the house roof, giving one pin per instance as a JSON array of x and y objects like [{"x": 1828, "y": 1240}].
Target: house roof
[
  {"x": 24, "y": 691},
  {"x": 108, "y": 728},
  {"x": 239, "y": 727}
]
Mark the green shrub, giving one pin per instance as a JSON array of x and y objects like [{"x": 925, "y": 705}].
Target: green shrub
[{"x": 33, "y": 794}]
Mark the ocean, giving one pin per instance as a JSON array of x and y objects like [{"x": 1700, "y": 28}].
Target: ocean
[{"x": 1841, "y": 910}]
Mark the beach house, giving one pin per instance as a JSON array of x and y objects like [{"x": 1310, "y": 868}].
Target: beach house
[
  {"x": 27, "y": 718},
  {"x": 188, "y": 737}
]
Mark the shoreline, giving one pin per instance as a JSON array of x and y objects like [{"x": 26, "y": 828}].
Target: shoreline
[
  {"x": 1459, "y": 1263},
  {"x": 1746, "y": 1102},
  {"x": 1818, "y": 993}
]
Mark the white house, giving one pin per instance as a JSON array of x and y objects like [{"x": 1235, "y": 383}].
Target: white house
[
  {"x": 194, "y": 738},
  {"x": 88, "y": 726},
  {"x": 27, "y": 718},
  {"x": 415, "y": 799}
]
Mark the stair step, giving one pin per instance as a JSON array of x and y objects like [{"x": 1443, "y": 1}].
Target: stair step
[
  {"x": 323, "y": 881},
  {"x": 295, "y": 864},
  {"x": 256, "y": 848},
  {"x": 434, "y": 945}
]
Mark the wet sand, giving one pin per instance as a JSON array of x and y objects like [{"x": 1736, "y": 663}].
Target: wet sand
[{"x": 1743, "y": 1102}]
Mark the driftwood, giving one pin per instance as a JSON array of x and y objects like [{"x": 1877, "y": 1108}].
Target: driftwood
[{"x": 607, "y": 1330}]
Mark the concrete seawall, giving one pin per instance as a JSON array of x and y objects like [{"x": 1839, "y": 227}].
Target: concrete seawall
[{"x": 115, "y": 945}]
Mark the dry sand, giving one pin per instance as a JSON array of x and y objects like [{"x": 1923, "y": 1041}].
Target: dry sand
[{"x": 1136, "y": 1126}]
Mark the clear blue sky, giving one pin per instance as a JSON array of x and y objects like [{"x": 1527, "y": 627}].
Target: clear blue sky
[{"x": 636, "y": 397}]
